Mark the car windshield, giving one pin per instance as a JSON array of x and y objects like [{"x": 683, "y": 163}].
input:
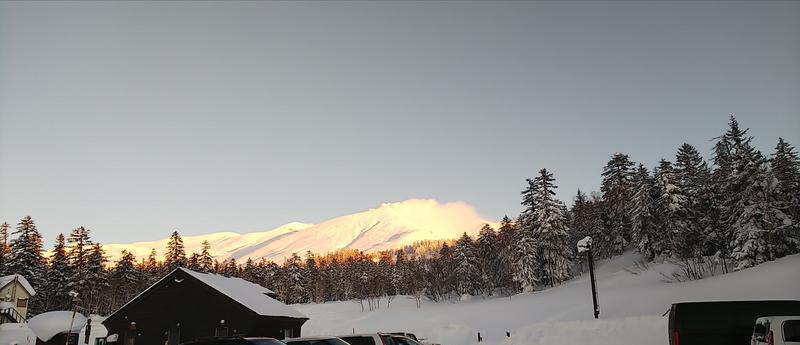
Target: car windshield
[{"x": 405, "y": 341}]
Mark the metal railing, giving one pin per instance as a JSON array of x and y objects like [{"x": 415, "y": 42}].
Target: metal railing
[{"x": 12, "y": 314}]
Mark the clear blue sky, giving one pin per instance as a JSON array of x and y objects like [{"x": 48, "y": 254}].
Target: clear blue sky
[{"x": 135, "y": 119}]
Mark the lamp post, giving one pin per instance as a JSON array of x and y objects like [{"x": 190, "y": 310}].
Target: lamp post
[
  {"x": 74, "y": 296},
  {"x": 585, "y": 245}
]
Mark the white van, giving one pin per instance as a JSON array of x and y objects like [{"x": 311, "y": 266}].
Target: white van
[{"x": 776, "y": 330}]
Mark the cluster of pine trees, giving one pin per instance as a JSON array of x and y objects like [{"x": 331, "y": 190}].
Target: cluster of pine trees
[{"x": 737, "y": 212}]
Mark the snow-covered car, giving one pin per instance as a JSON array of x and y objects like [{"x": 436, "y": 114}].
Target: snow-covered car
[
  {"x": 369, "y": 339},
  {"x": 234, "y": 341},
  {"x": 315, "y": 341},
  {"x": 776, "y": 330}
]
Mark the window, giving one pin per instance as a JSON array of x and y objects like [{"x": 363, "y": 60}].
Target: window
[
  {"x": 22, "y": 303},
  {"x": 791, "y": 330},
  {"x": 100, "y": 341},
  {"x": 288, "y": 333}
]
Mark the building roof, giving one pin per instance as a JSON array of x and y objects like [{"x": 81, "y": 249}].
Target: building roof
[
  {"x": 22, "y": 281},
  {"x": 253, "y": 296},
  {"x": 249, "y": 295}
]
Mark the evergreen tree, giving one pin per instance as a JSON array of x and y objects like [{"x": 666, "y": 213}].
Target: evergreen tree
[
  {"x": 296, "y": 288},
  {"x": 125, "y": 279},
  {"x": 525, "y": 246},
  {"x": 26, "y": 259},
  {"x": 644, "y": 214},
  {"x": 150, "y": 268},
  {"x": 554, "y": 250},
  {"x": 691, "y": 176},
  {"x": 176, "y": 255},
  {"x": 205, "y": 260},
  {"x": 617, "y": 188},
  {"x": 507, "y": 258},
  {"x": 95, "y": 295},
  {"x": 4, "y": 249},
  {"x": 487, "y": 254},
  {"x": 56, "y": 291},
  {"x": 466, "y": 266},
  {"x": 786, "y": 168},
  {"x": 80, "y": 244}
]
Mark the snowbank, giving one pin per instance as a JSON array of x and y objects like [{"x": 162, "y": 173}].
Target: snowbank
[
  {"x": 47, "y": 325},
  {"x": 632, "y": 299},
  {"x": 16, "y": 334}
]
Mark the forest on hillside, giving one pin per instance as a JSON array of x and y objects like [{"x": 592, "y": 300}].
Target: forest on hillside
[{"x": 737, "y": 211}]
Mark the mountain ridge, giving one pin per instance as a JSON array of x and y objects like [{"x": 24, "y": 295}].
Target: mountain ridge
[{"x": 388, "y": 226}]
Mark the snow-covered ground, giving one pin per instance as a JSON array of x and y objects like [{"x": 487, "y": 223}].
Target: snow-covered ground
[{"x": 632, "y": 300}]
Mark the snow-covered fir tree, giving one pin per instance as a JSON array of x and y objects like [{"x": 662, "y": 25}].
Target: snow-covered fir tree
[
  {"x": 467, "y": 274},
  {"x": 94, "y": 297},
  {"x": 205, "y": 261},
  {"x": 554, "y": 251},
  {"x": 176, "y": 254},
  {"x": 644, "y": 215},
  {"x": 295, "y": 284},
  {"x": 126, "y": 280},
  {"x": 526, "y": 248},
  {"x": 691, "y": 175},
  {"x": 4, "y": 250},
  {"x": 617, "y": 189},
  {"x": 785, "y": 166},
  {"x": 26, "y": 259},
  {"x": 56, "y": 291},
  {"x": 487, "y": 254},
  {"x": 80, "y": 243},
  {"x": 763, "y": 231}
]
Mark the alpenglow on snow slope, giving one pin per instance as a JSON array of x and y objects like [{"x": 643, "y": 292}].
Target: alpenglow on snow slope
[
  {"x": 389, "y": 226},
  {"x": 632, "y": 301}
]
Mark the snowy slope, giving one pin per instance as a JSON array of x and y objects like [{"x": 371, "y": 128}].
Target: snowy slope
[
  {"x": 389, "y": 226},
  {"x": 631, "y": 302}
]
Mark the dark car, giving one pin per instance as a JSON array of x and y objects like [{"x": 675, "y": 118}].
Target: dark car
[
  {"x": 722, "y": 323},
  {"x": 234, "y": 341},
  {"x": 315, "y": 341}
]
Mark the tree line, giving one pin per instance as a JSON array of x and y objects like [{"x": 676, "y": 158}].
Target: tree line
[{"x": 737, "y": 211}]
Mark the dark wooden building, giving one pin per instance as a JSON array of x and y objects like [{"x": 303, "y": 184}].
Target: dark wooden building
[{"x": 186, "y": 305}]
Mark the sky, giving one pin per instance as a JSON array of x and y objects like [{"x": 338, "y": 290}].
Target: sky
[{"x": 135, "y": 119}]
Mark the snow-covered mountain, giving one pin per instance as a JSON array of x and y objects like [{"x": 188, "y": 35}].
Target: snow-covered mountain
[{"x": 389, "y": 226}]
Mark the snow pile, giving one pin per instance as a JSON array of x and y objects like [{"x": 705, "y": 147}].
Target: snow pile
[
  {"x": 389, "y": 226},
  {"x": 16, "y": 334},
  {"x": 48, "y": 325},
  {"x": 632, "y": 299}
]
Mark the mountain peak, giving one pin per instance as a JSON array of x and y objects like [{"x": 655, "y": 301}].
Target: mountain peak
[{"x": 389, "y": 226}]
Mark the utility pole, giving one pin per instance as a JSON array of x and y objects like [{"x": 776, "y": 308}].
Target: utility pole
[{"x": 585, "y": 245}]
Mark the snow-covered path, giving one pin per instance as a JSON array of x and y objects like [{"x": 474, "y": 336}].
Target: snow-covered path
[{"x": 631, "y": 303}]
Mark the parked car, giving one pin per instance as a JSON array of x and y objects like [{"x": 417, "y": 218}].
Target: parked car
[
  {"x": 776, "y": 330},
  {"x": 405, "y": 334},
  {"x": 315, "y": 341},
  {"x": 369, "y": 339},
  {"x": 403, "y": 340},
  {"x": 722, "y": 323},
  {"x": 234, "y": 341}
]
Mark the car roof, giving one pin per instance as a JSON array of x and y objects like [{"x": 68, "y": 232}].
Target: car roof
[
  {"x": 321, "y": 337},
  {"x": 778, "y": 318},
  {"x": 361, "y": 335}
]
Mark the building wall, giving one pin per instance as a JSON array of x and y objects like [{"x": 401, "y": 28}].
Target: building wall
[
  {"x": 7, "y": 292},
  {"x": 187, "y": 310}
]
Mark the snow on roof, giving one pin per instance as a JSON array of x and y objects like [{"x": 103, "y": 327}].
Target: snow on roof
[
  {"x": 253, "y": 296},
  {"x": 24, "y": 282},
  {"x": 47, "y": 325}
]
